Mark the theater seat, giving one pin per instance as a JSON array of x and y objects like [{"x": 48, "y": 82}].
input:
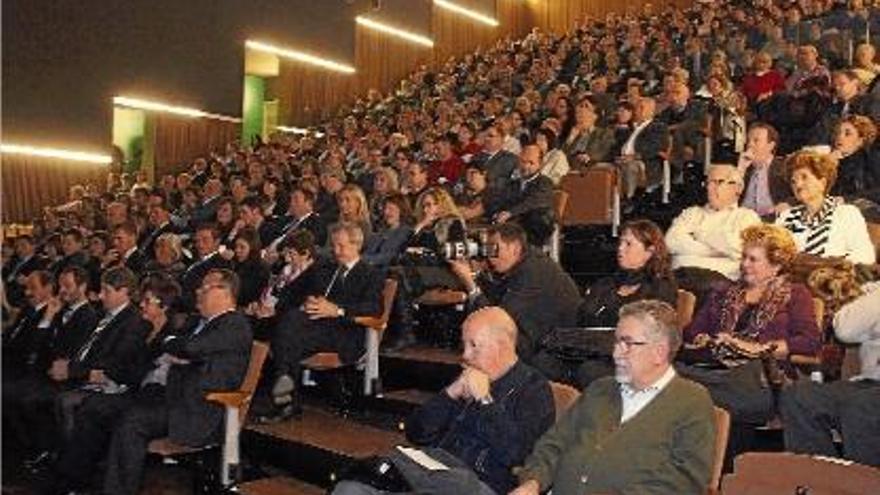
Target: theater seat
[
  {"x": 375, "y": 328},
  {"x": 765, "y": 473},
  {"x": 236, "y": 404},
  {"x": 564, "y": 396}
]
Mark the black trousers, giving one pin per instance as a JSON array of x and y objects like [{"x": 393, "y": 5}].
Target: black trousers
[
  {"x": 94, "y": 422},
  {"x": 296, "y": 337},
  {"x": 741, "y": 391},
  {"x": 811, "y": 410},
  {"x": 145, "y": 421},
  {"x": 28, "y": 411}
]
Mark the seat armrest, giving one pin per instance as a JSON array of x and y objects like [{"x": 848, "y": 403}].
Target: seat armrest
[
  {"x": 228, "y": 399},
  {"x": 371, "y": 322}
]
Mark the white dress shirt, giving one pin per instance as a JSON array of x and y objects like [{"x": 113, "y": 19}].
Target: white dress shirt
[{"x": 635, "y": 400}]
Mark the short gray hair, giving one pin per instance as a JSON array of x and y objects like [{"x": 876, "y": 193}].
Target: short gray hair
[
  {"x": 660, "y": 320},
  {"x": 733, "y": 172}
]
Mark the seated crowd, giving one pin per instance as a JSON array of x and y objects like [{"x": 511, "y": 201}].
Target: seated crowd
[{"x": 127, "y": 303}]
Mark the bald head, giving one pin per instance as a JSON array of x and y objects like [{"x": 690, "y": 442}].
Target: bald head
[{"x": 489, "y": 338}]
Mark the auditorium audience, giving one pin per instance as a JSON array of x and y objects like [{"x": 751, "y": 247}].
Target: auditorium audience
[
  {"x": 766, "y": 188},
  {"x": 704, "y": 241},
  {"x": 344, "y": 290},
  {"x": 643, "y": 273},
  {"x": 760, "y": 316},
  {"x": 533, "y": 289},
  {"x": 646, "y": 430},
  {"x": 632, "y": 78},
  {"x": 484, "y": 423},
  {"x": 823, "y": 225}
]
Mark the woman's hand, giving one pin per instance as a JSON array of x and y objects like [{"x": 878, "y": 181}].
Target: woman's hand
[{"x": 627, "y": 290}]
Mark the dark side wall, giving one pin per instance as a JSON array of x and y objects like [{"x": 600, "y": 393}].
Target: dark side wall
[{"x": 63, "y": 60}]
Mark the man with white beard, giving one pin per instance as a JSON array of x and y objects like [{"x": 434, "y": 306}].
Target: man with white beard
[{"x": 646, "y": 430}]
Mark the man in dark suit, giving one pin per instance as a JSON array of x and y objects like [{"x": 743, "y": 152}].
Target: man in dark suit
[
  {"x": 25, "y": 262},
  {"x": 65, "y": 324},
  {"x": 686, "y": 119},
  {"x": 250, "y": 214},
  {"x": 529, "y": 199},
  {"x": 213, "y": 357},
  {"x": 160, "y": 221},
  {"x": 73, "y": 249},
  {"x": 207, "y": 244},
  {"x": 110, "y": 360},
  {"x": 21, "y": 342},
  {"x": 498, "y": 163},
  {"x": 849, "y": 99},
  {"x": 300, "y": 215},
  {"x": 125, "y": 251},
  {"x": 641, "y": 150},
  {"x": 531, "y": 287},
  {"x": 346, "y": 289},
  {"x": 211, "y": 195}
]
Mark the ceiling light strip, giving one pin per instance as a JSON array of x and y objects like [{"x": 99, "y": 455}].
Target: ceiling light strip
[
  {"x": 299, "y": 56},
  {"x": 155, "y": 106},
  {"x": 400, "y": 33},
  {"x": 299, "y": 130},
  {"x": 473, "y": 14},
  {"x": 77, "y": 156}
]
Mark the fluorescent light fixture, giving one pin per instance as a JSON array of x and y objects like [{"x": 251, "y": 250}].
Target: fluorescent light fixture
[
  {"x": 125, "y": 101},
  {"x": 473, "y": 14},
  {"x": 299, "y": 130},
  {"x": 299, "y": 56},
  {"x": 77, "y": 156},
  {"x": 400, "y": 33}
]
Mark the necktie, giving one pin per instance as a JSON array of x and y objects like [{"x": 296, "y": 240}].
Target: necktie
[
  {"x": 84, "y": 350},
  {"x": 198, "y": 329},
  {"x": 338, "y": 277}
]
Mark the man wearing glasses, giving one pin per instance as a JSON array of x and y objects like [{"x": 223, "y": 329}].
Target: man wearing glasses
[
  {"x": 704, "y": 241},
  {"x": 646, "y": 430},
  {"x": 213, "y": 356}
]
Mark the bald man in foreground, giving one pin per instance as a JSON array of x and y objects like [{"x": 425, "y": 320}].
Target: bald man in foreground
[{"x": 481, "y": 425}]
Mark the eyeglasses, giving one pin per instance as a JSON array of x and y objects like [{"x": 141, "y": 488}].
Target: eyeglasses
[
  {"x": 626, "y": 344},
  {"x": 721, "y": 182},
  {"x": 206, "y": 288}
]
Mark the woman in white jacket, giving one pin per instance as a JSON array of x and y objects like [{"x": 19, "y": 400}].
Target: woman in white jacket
[
  {"x": 555, "y": 163},
  {"x": 824, "y": 225}
]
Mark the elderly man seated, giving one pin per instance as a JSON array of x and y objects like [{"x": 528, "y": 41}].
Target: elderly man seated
[
  {"x": 481, "y": 425},
  {"x": 704, "y": 241},
  {"x": 646, "y": 430}
]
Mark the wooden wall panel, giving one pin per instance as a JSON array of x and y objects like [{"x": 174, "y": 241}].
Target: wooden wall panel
[
  {"x": 30, "y": 183},
  {"x": 178, "y": 140},
  {"x": 308, "y": 95}
]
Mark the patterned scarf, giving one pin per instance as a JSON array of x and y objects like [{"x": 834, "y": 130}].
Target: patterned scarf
[
  {"x": 733, "y": 304},
  {"x": 816, "y": 226}
]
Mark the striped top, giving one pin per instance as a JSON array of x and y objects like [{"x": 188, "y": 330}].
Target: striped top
[{"x": 837, "y": 229}]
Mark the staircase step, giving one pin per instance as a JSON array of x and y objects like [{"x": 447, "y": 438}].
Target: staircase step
[
  {"x": 280, "y": 485},
  {"x": 411, "y": 396},
  {"x": 425, "y": 354},
  {"x": 419, "y": 367},
  {"x": 327, "y": 431}
]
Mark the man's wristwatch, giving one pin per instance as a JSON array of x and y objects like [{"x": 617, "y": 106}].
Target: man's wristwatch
[{"x": 340, "y": 313}]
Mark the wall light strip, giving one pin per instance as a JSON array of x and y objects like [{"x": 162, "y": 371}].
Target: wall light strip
[
  {"x": 473, "y": 14},
  {"x": 299, "y": 130},
  {"x": 125, "y": 101},
  {"x": 77, "y": 156},
  {"x": 299, "y": 56},
  {"x": 400, "y": 33}
]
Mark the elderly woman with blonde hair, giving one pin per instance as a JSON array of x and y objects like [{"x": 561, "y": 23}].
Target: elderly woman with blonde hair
[
  {"x": 763, "y": 314},
  {"x": 823, "y": 225}
]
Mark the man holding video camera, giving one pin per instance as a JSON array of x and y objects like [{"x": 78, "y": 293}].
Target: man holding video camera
[{"x": 531, "y": 287}]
